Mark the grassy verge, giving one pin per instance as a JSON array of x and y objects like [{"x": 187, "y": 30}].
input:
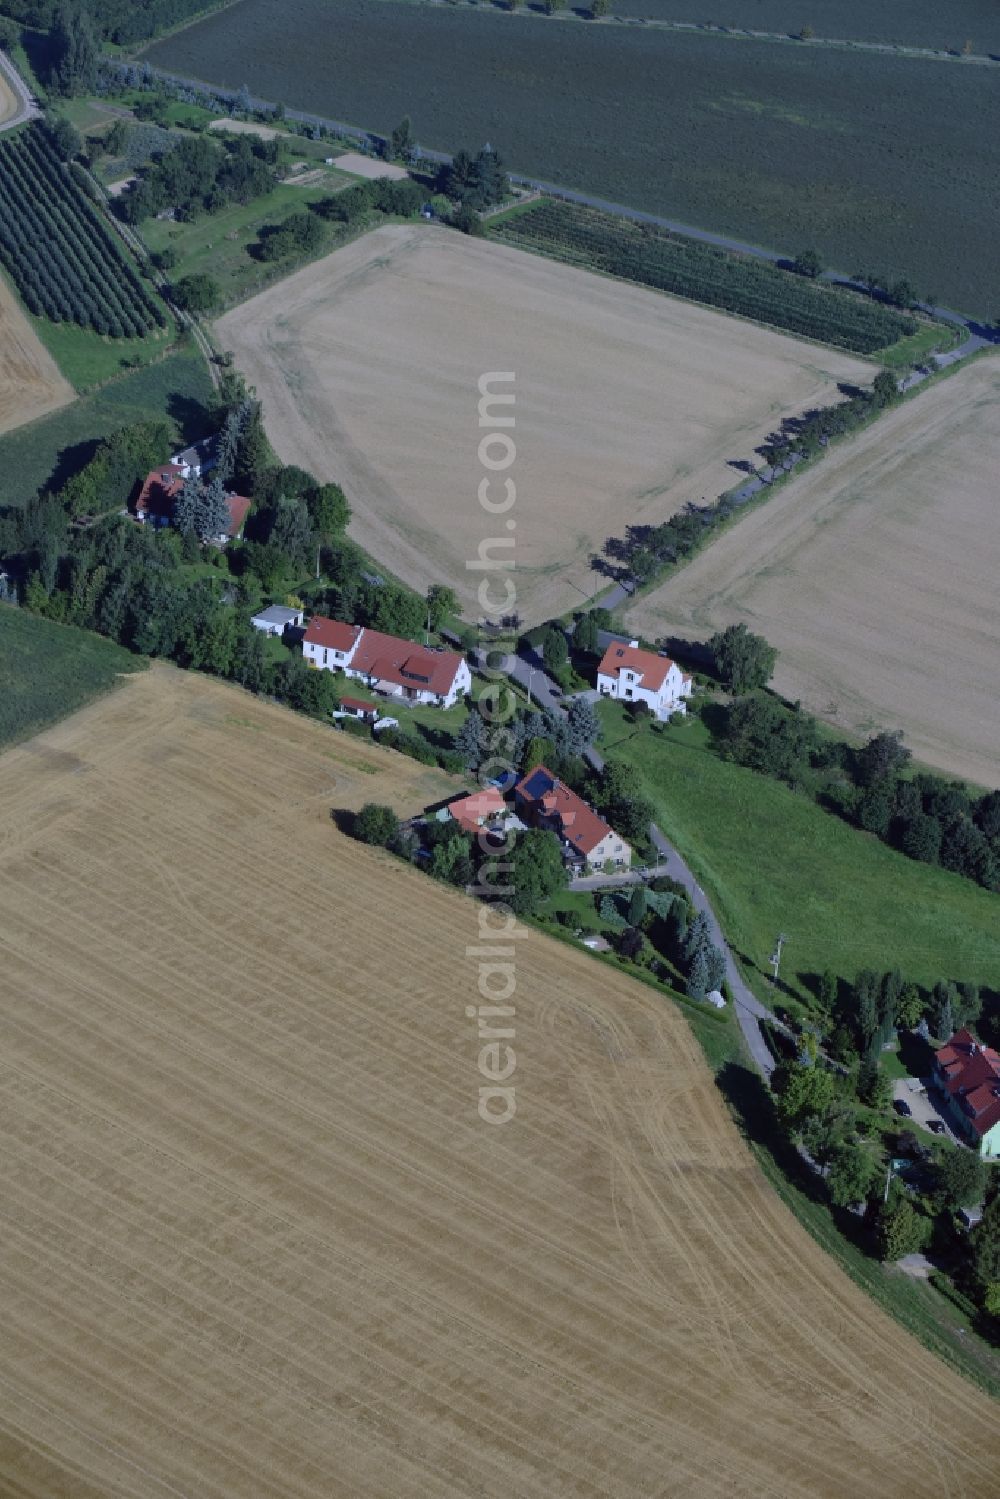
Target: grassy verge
[
  {"x": 930, "y": 338},
  {"x": 771, "y": 860},
  {"x": 45, "y": 453},
  {"x": 49, "y": 670},
  {"x": 89, "y": 360},
  {"x": 218, "y": 244}
]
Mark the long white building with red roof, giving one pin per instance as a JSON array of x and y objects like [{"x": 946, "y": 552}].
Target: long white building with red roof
[
  {"x": 632, "y": 675},
  {"x": 388, "y": 665}
]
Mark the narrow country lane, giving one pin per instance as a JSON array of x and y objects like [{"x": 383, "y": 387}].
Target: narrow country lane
[{"x": 528, "y": 672}]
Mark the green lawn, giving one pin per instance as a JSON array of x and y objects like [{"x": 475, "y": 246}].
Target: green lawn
[
  {"x": 88, "y": 359},
  {"x": 773, "y": 861},
  {"x": 217, "y": 243},
  {"x": 45, "y": 453},
  {"x": 49, "y": 670}
]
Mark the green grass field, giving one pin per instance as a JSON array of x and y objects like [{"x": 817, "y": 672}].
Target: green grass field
[
  {"x": 49, "y": 670},
  {"x": 88, "y": 359},
  {"x": 217, "y": 244},
  {"x": 45, "y": 453},
  {"x": 878, "y": 162},
  {"x": 772, "y": 861}
]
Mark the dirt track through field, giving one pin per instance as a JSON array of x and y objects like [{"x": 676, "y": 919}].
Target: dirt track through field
[
  {"x": 875, "y": 575},
  {"x": 30, "y": 382},
  {"x": 255, "y": 1239},
  {"x": 629, "y": 404}
]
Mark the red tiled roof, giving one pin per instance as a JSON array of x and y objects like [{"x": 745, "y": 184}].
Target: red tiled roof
[
  {"x": 470, "y": 812},
  {"x": 334, "y": 634},
  {"x": 358, "y": 705},
  {"x": 970, "y": 1074},
  {"x": 160, "y": 489},
  {"x": 389, "y": 659},
  {"x": 578, "y": 823},
  {"x": 162, "y": 486},
  {"x": 239, "y": 509},
  {"x": 652, "y": 668}
]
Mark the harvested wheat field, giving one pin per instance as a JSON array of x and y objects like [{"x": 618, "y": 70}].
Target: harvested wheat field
[
  {"x": 30, "y": 382},
  {"x": 8, "y": 99},
  {"x": 628, "y": 404},
  {"x": 257, "y": 1242},
  {"x": 875, "y": 575}
]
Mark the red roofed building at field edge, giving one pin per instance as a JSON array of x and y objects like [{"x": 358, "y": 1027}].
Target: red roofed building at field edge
[
  {"x": 388, "y": 665},
  {"x": 542, "y": 799},
  {"x": 968, "y": 1074},
  {"x": 635, "y": 676}
]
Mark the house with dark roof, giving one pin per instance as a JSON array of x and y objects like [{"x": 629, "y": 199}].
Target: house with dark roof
[
  {"x": 968, "y": 1074},
  {"x": 632, "y": 675},
  {"x": 385, "y": 663},
  {"x": 543, "y": 801}
]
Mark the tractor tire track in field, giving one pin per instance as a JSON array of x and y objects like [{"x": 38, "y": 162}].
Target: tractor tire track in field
[{"x": 255, "y": 1238}]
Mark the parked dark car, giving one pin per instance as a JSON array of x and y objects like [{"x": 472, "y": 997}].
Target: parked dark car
[
  {"x": 935, "y": 1126},
  {"x": 902, "y": 1107}
]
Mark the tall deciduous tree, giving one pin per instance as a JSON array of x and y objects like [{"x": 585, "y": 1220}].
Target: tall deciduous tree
[{"x": 743, "y": 660}]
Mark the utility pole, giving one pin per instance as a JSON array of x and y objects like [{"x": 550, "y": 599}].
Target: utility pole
[
  {"x": 776, "y": 955},
  {"x": 317, "y": 561}
]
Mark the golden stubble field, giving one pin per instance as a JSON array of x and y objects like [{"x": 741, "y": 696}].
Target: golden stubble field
[
  {"x": 30, "y": 382},
  {"x": 629, "y": 404},
  {"x": 256, "y": 1241},
  {"x": 875, "y": 575}
]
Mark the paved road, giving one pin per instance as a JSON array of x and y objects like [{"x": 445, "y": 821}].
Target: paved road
[
  {"x": 27, "y": 108},
  {"x": 530, "y": 674}
]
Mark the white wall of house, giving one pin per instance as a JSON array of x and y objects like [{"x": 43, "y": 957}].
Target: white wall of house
[
  {"x": 326, "y": 659},
  {"x": 610, "y": 847},
  {"x": 626, "y": 686}
]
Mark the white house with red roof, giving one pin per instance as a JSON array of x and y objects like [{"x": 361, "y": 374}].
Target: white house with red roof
[
  {"x": 632, "y": 675},
  {"x": 546, "y": 802},
  {"x": 968, "y": 1074},
  {"x": 154, "y": 505},
  {"x": 388, "y": 665}
]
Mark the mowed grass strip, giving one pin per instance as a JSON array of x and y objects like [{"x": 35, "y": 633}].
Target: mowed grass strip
[
  {"x": 773, "y": 861},
  {"x": 909, "y": 23},
  {"x": 256, "y": 1239},
  {"x": 48, "y": 671},
  {"x": 879, "y": 163}
]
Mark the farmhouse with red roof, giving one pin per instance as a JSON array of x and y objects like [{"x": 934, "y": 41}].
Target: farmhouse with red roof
[
  {"x": 388, "y": 665},
  {"x": 155, "y": 502},
  {"x": 635, "y": 676},
  {"x": 543, "y": 800},
  {"x": 968, "y": 1073}
]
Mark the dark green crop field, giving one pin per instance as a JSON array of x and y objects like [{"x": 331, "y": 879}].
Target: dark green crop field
[
  {"x": 913, "y": 23},
  {"x": 49, "y": 670},
  {"x": 880, "y": 163}
]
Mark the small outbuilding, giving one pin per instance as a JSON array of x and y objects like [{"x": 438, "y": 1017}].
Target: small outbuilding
[{"x": 276, "y": 619}]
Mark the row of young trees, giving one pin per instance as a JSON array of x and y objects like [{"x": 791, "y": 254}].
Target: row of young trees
[
  {"x": 59, "y": 253},
  {"x": 742, "y": 284},
  {"x": 646, "y": 551}
]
